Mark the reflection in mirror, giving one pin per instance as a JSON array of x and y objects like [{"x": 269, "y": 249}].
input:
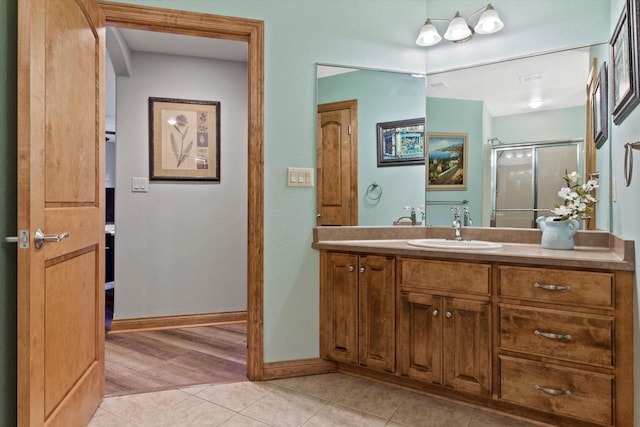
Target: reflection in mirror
[
  {"x": 534, "y": 105},
  {"x": 381, "y": 97},
  {"x": 524, "y": 180},
  {"x": 501, "y": 115}
]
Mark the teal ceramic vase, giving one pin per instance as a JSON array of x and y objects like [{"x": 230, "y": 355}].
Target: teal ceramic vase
[{"x": 557, "y": 233}]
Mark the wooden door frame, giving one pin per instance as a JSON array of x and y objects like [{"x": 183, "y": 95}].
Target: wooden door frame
[{"x": 250, "y": 31}]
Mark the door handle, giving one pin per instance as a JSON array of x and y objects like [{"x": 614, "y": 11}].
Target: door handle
[{"x": 39, "y": 238}]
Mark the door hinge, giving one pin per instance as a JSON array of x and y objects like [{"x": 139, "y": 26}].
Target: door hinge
[
  {"x": 349, "y": 129},
  {"x": 350, "y": 201}
]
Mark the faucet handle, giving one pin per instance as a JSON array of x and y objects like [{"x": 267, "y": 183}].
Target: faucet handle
[
  {"x": 409, "y": 208},
  {"x": 455, "y": 210}
]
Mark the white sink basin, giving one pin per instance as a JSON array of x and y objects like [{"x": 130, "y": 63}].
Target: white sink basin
[{"x": 455, "y": 244}]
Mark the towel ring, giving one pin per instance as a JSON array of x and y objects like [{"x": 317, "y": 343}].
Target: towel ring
[
  {"x": 628, "y": 160},
  {"x": 371, "y": 189}
]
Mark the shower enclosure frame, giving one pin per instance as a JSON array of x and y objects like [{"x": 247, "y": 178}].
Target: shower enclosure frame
[{"x": 535, "y": 147}]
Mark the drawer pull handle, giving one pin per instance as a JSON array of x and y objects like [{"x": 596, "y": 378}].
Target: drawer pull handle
[
  {"x": 552, "y": 391},
  {"x": 552, "y": 336},
  {"x": 552, "y": 287}
]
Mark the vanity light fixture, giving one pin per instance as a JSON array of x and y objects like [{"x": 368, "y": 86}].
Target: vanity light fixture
[{"x": 459, "y": 30}]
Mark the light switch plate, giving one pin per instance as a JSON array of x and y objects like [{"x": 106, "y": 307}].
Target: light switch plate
[
  {"x": 139, "y": 184},
  {"x": 300, "y": 177}
]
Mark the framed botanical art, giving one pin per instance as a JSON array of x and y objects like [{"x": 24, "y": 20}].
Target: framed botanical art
[
  {"x": 401, "y": 142},
  {"x": 600, "y": 108},
  {"x": 446, "y": 161},
  {"x": 625, "y": 88},
  {"x": 184, "y": 139}
]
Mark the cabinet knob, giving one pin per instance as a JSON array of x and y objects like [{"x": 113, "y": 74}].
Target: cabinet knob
[
  {"x": 350, "y": 268},
  {"x": 361, "y": 269},
  {"x": 435, "y": 313},
  {"x": 449, "y": 314}
]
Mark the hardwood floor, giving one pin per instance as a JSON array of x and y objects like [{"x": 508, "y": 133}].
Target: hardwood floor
[{"x": 143, "y": 361}]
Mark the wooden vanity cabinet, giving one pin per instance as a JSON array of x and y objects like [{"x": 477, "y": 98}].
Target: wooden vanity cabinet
[
  {"x": 565, "y": 341},
  {"x": 554, "y": 344},
  {"x": 357, "y": 300},
  {"x": 445, "y": 332}
]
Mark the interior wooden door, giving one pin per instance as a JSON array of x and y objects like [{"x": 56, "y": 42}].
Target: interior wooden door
[
  {"x": 337, "y": 164},
  {"x": 60, "y": 191}
]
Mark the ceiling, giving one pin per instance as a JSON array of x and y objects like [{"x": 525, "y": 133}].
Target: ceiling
[
  {"x": 557, "y": 79},
  {"x": 177, "y": 44}
]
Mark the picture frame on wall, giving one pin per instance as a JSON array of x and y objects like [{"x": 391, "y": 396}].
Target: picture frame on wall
[
  {"x": 623, "y": 48},
  {"x": 446, "y": 161},
  {"x": 600, "y": 108},
  {"x": 401, "y": 142},
  {"x": 184, "y": 140}
]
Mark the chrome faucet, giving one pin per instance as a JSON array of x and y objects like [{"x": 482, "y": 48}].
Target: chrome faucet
[
  {"x": 467, "y": 222},
  {"x": 456, "y": 224},
  {"x": 412, "y": 215}
]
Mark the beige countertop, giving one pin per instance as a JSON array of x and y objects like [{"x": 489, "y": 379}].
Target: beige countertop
[{"x": 593, "y": 250}]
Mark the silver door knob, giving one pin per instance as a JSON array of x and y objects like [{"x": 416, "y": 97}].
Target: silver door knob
[
  {"x": 435, "y": 313},
  {"x": 40, "y": 238},
  {"x": 448, "y": 314}
]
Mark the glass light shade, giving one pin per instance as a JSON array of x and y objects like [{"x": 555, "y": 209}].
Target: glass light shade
[
  {"x": 458, "y": 29},
  {"x": 428, "y": 35},
  {"x": 489, "y": 22}
]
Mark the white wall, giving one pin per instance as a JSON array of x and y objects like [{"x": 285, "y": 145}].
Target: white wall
[{"x": 181, "y": 247}]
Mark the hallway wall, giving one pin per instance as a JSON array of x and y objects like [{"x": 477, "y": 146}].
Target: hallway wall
[{"x": 180, "y": 248}]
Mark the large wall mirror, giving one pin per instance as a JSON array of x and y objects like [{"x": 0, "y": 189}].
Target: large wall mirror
[{"x": 492, "y": 105}]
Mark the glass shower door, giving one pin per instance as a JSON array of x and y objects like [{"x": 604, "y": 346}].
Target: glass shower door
[{"x": 526, "y": 181}]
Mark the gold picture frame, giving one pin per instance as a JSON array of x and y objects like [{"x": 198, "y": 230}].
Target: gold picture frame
[
  {"x": 446, "y": 161},
  {"x": 184, "y": 140}
]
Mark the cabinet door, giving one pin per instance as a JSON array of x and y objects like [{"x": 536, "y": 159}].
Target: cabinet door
[
  {"x": 377, "y": 312},
  {"x": 420, "y": 343},
  {"x": 467, "y": 345},
  {"x": 339, "y": 307}
]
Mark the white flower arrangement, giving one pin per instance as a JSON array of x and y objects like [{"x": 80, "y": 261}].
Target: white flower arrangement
[{"x": 577, "y": 197}]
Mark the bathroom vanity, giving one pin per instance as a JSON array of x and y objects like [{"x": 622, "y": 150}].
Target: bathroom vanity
[{"x": 536, "y": 333}]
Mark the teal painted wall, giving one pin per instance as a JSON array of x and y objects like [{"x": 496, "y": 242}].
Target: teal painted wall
[
  {"x": 625, "y": 218},
  {"x": 8, "y": 201},
  {"x": 325, "y": 31},
  {"x": 382, "y": 97},
  {"x": 458, "y": 116},
  {"x": 565, "y": 123}
]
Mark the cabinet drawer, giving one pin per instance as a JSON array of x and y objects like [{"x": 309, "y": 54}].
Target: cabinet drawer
[
  {"x": 557, "y": 286},
  {"x": 576, "y": 393},
  {"x": 447, "y": 276},
  {"x": 570, "y": 336}
]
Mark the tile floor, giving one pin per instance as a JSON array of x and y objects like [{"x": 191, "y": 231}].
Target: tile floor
[{"x": 313, "y": 401}]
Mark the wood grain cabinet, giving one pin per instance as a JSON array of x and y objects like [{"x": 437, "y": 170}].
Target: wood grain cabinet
[
  {"x": 445, "y": 332},
  {"x": 357, "y": 300},
  {"x": 554, "y": 344},
  {"x": 558, "y": 344}
]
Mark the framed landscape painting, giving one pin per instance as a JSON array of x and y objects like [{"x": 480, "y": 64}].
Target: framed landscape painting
[
  {"x": 401, "y": 142},
  {"x": 446, "y": 161}
]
